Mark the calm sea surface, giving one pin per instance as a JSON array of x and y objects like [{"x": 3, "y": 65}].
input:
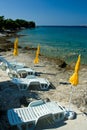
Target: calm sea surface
[{"x": 60, "y": 42}]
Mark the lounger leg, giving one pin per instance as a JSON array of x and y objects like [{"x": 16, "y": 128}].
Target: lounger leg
[
  {"x": 28, "y": 128},
  {"x": 44, "y": 87},
  {"x": 19, "y": 127},
  {"x": 58, "y": 117}
]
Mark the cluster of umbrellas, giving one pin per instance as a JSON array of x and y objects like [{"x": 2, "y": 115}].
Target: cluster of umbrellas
[
  {"x": 15, "y": 52},
  {"x": 74, "y": 78}
]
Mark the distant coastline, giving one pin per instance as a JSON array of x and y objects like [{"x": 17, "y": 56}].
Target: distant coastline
[
  {"x": 84, "y": 26},
  {"x": 12, "y": 25}
]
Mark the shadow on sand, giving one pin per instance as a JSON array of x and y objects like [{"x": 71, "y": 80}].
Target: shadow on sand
[{"x": 49, "y": 124}]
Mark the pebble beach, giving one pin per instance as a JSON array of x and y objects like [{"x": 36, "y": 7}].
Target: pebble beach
[{"x": 59, "y": 91}]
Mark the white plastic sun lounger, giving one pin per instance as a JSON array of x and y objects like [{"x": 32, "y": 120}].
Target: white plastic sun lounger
[
  {"x": 21, "y": 73},
  {"x": 17, "y": 65},
  {"x": 24, "y": 72},
  {"x": 34, "y": 112},
  {"x": 15, "y": 68},
  {"x": 4, "y": 64},
  {"x": 24, "y": 83}
]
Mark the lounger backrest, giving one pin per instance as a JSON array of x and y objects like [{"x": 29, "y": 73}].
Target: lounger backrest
[
  {"x": 36, "y": 103},
  {"x": 22, "y": 73},
  {"x": 6, "y": 62}
]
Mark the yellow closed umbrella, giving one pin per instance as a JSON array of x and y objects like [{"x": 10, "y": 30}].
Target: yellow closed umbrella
[
  {"x": 74, "y": 79},
  {"x": 38, "y": 49},
  {"x": 15, "y": 52},
  {"x": 77, "y": 66},
  {"x": 36, "y": 60}
]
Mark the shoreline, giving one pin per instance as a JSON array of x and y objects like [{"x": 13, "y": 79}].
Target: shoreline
[
  {"x": 50, "y": 69},
  {"x": 58, "y": 45},
  {"x": 7, "y": 45}
]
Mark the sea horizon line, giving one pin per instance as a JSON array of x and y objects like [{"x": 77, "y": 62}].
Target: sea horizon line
[{"x": 85, "y": 26}]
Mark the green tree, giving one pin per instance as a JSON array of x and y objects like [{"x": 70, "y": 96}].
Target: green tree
[
  {"x": 1, "y": 22},
  {"x": 15, "y": 24}
]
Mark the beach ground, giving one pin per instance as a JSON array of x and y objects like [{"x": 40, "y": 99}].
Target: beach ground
[{"x": 60, "y": 90}]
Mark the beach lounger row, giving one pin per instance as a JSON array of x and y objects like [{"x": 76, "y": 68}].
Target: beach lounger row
[
  {"x": 36, "y": 110},
  {"x": 23, "y": 76}
]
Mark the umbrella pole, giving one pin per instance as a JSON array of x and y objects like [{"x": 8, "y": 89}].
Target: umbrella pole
[
  {"x": 15, "y": 59},
  {"x": 70, "y": 114},
  {"x": 70, "y": 100}
]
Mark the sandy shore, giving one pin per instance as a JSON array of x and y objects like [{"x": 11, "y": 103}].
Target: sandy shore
[{"x": 59, "y": 91}]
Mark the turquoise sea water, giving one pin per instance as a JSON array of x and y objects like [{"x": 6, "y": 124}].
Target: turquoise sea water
[{"x": 58, "y": 41}]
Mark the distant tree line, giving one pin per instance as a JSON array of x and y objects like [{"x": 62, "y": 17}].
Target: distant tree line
[{"x": 9, "y": 24}]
